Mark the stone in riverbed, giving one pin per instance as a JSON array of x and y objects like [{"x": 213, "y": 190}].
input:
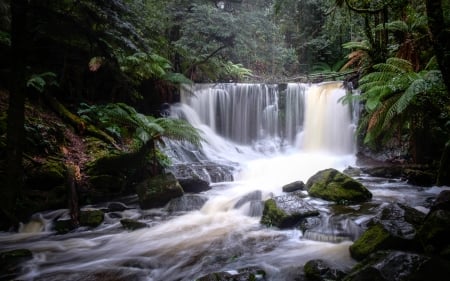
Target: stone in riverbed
[
  {"x": 294, "y": 186},
  {"x": 332, "y": 185},
  {"x": 10, "y": 262},
  {"x": 131, "y": 224},
  {"x": 286, "y": 211},
  {"x": 157, "y": 191}
]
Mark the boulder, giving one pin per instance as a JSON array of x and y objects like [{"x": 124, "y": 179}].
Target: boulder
[
  {"x": 46, "y": 176},
  {"x": 10, "y": 262},
  {"x": 397, "y": 265},
  {"x": 156, "y": 192},
  {"x": 395, "y": 227},
  {"x": 186, "y": 203},
  {"x": 131, "y": 224},
  {"x": 294, "y": 186},
  {"x": 194, "y": 185},
  {"x": 332, "y": 185},
  {"x": 91, "y": 218},
  {"x": 320, "y": 270},
  {"x": 286, "y": 211},
  {"x": 435, "y": 232}
]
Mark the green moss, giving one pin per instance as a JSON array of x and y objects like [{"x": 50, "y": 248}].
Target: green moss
[
  {"x": 92, "y": 218},
  {"x": 335, "y": 186},
  {"x": 272, "y": 215},
  {"x": 373, "y": 239}
]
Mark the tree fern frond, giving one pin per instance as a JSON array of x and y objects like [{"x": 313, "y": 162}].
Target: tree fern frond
[
  {"x": 398, "y": 25},
  {"x": 179, "y": 130}
]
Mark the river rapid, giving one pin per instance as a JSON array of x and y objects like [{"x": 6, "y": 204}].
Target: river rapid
[{"x": 243, "y": 132}]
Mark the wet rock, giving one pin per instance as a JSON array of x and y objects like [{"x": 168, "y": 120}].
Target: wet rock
[
  {"x": 186, "y": 203},
  {"x": 420, "y": 177},
  {"x": 91, "y": 218},
  {"x": 319, "y": 270},
  {"x": 332, "y": 185},
  {"x": 194, "y": 185},
  {"x": 352, "y": 171},
  {"x": 131, "y": 224},
  {"x": 10, "y": 262},
  {"x": 389, "y": 171},
  {"x": 396, "y": 265},
  {"x": 157, "y": 191},
  {"x": 107, "y": 185},
  {"x": 207, "y": 171},
  {"x": 442, "y": 201},
  {"x": 435, "y": 232},
  {"x": 116, "y": 207},
  {"x": 48, "y": 175},
  {"x": 395, "y": 227},
  {"x": 294, "y": 186},
  {"x": 64, "y": 226},
  {"x": 245, "y": 274},
  {"x": 286, "y": 211},
  {"x": 255, "y": 206}
]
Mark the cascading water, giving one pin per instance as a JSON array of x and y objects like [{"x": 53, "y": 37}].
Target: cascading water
[{"x": 271, "y": 136}]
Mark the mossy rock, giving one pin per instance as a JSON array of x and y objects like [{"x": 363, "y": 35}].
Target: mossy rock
[
  {"x": 373, "y": 239},
  {"x": 131, "y": 224},
  {"x": 63, "y": 226},
  {"x": 10, "y": 262},
  {"x": 332, "y": 185},
  {"x": 435, "y": 232},
  {"x": 48, "y": 175},
  {"x": 286, "y": 211},
  {"x": 91, "y": 218},
  {"x": 157, "y": 191},
  {"x": 108, "y": 183}
]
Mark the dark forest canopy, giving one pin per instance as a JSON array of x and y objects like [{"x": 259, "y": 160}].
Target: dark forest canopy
[{"x": 80, "y": 54}]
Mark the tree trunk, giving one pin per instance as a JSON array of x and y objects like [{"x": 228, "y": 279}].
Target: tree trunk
[
  {"x": 16, "y": 109},
  {"x": 439, "y": 37}
]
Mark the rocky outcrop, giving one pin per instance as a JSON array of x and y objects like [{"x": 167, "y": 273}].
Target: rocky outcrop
[
  {"x": 286, "y": 211},
  {"x": 321, "y": 270},
  {"x": 131, "y": 224},
  {"x": 157, "y": 191},
  {"x": 194, "y": 185},
  {"x": 332, "y": 185}
]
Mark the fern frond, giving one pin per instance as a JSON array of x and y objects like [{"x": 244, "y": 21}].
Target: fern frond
[{"x": 179, "y": 130}]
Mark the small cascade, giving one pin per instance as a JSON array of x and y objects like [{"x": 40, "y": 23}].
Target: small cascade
[{"x": 334, "y": 229}]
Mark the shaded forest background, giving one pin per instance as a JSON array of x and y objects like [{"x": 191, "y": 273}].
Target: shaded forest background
[{"x": 106, "y": 66}]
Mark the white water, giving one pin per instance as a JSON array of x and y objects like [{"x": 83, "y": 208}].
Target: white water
[{"x": 241, "y": 124}]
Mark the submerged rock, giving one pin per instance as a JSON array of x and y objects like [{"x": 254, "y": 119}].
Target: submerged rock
[
  {"x": 157, "y": 191},
  {"x": 10, "y": 262},
  {"x": 332, "y": 185},
  {"x": 91, "y": 218},
  {"x": 286, "y": 211},
  {"x": 186, "y": 203},
  {"x": 243, "y": 274},
  {"x": 132, "y": 224}
]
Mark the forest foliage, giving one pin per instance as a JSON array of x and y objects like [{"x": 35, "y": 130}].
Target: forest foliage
[{"x": 106, "y": 56}]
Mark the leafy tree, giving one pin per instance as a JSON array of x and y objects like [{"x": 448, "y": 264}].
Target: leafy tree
[{"x": 398, "y": 98}]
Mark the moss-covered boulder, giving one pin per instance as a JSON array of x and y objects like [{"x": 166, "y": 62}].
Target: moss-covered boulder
[
  {"x": 157, "y": 191},
  {"x": 47, "y": 175},
  {"x": 332, "y": 185},
  {"x": 435, "y": 233},
  {"x": 375, "y": 238},
  {"x": 91, "y": 218},
  {"x": 286, "y": 211},
  {"x": 131, "y": 224},
  {"x": 10, "y": 262},
  {"x": 395, "y": 227}
]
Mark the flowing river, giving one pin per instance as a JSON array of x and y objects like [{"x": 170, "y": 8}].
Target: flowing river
[{"x": 269, "y": 136}]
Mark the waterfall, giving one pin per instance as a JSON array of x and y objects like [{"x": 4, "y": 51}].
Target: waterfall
[{"x": 309, "y": 117}]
